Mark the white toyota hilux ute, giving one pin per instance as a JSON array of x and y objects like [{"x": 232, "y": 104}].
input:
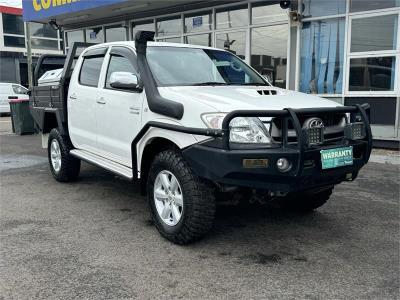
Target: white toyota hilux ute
[{"x": 195, "y": 124}]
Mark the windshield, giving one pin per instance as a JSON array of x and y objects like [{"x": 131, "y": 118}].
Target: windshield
[{"x": 174, "y": 66}]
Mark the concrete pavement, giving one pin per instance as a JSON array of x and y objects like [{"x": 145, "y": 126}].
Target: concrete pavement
[{"x": 93, "y": 239}]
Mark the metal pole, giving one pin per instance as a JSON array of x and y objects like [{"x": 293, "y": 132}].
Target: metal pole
[{"x": 29, "y": 53}]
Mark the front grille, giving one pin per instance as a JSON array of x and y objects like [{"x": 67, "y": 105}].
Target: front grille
[{"x": 334, "y": 126}]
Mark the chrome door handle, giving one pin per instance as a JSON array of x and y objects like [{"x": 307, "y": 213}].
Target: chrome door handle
[
  {"x": 72, "y": 97},
  {"x": 101, "y": 101}
]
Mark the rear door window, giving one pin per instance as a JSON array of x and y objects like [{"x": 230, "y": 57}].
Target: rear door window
[{"x": 90, "y": 71}]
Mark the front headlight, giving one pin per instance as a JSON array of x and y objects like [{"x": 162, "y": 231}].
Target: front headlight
[{"x": 242, "y": 130}]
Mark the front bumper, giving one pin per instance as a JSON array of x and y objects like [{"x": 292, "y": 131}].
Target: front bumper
[
  {"x": 226, "y": 167},
  {"x": 217, "y": 161}
]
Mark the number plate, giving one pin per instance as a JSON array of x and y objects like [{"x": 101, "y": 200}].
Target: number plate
[{"x": 338, "y": 157}]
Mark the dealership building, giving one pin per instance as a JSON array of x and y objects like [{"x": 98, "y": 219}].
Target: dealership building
[
  {"x": 344, "y": 50},
  {"x": 13, "y": 53}
]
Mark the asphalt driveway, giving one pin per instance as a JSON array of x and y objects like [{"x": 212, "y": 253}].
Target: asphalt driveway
[{"x": 94, "y": 239}]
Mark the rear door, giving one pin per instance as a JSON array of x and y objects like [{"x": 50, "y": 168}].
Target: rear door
[
  {"x": 118, "y": 112},
  {"x": 82, "y": 96}
]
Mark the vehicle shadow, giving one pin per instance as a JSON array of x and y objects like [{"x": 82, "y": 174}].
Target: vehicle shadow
[{"x": 254, "y": 226}]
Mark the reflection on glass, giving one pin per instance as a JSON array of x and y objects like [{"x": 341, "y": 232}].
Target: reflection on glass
[
  {"x": 115, "y": 34},
  {"x": 360, "y": 5},
  {"x": 199, "y": 39},
  {"x": 269, "y": 52},
  {"x": 42, "y": 30},
  {"x": 144, "y": 26},
  {"x": 235, "y": 42},
  {"x": 232, "y": 17},
  {"x": 317, "y": 8},
  {"x": 180, "y": 66},
  {"x": 321, "y": 56},
  {"x": 372, "y": 74},
  {"x": 198, "y": 22},
  {"x": 169, "y": 26},
  {"x": 374, "y": 33},
  {"x": 74, "y": 36},
  {"x": 44, "y": 44},
  {"x": 170, "y": 40},
  {"x": 13, "y": 24},
  {"x": 94, "y": 35},
  {"x": 269, "y": 11},
  {"x": 13, "y": 41}
]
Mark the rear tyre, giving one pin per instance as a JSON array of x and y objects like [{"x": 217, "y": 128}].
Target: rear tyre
[
  {"x": 306, "y": 201},
  {"x": 182, "y": 204},
  {"x": 63, "y": 166}
]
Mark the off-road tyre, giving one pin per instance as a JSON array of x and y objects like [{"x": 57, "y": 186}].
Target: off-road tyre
[
  {"x": 198, "y": 200},
  {"x": 306, "y": 201},
  {"x": 70, "y": 166}
]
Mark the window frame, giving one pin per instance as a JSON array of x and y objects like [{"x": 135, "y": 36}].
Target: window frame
[
  {"x": 368, "y": 54},
  {"x": 107, "y": 61},
  {"x": 81, "y": 68}
]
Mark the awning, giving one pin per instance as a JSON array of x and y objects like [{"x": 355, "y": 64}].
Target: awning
[{"x": 42, "y": 10}]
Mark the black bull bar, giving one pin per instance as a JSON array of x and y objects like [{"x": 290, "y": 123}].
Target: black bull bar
[{"x": 363, "y": 111}]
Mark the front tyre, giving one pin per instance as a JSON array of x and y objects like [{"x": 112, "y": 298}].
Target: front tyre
[
  {"x": 63, "y": 166},
  {"x": 182, "y": 204}
]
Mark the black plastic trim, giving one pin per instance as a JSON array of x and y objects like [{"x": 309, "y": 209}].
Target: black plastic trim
[
  {"x": 156, "y": 102},
  {"x": 125, "y": 52},
  {"x": 95, "y": 52}
]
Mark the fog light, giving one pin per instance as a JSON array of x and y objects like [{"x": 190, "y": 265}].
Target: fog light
[
  {"x": 283, "y": 164},
  {"x": 355, "y": 131}
]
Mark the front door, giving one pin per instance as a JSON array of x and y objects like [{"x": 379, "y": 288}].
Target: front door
[{"x": 118, "y": 112}]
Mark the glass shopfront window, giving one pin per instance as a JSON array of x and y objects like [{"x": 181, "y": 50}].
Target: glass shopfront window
[
  {"x": 198, "y": 22},
  {"x": 234, "y": 42},
  {"x": 372, "y": 74},
  {"x": 361, "y": 5},
  {"x": 13, "y": 24},
  {"x": 44, "y": 44},
  {"x": 269, "y": 11},
  {"x": 169, "y": 26},
  {"x": 14, "y": 41},
  {"x": 42, "y": 30},
  {"x": 321, "y": 56},
  {"x": 143, "y": 25},
  {"x": 318, "y": 8},
  {"x": 269, "y": 52},
  {"x": 170, "y": 40},
  {"x": 74, "y": 36},
  {"x": 199, "y": 39},
  {"x": 115, "y": 33},
  {"x": 374, "y": 33},
  {"x": 232, "y": 17},
  {"x": 95, "y": 35},
  {"x": 370, "y": 70}
]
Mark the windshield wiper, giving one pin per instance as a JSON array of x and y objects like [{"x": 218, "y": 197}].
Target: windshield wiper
[{"x": 211, "y": 83}]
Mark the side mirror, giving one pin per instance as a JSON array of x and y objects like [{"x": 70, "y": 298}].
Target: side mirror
[{"x": 124, "y": 81}]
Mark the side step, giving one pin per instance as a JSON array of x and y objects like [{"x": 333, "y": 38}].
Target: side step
[{"x": 103, "y": 163}]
